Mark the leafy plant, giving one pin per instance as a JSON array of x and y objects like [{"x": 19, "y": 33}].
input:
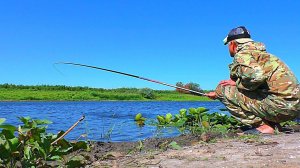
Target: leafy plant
[
  {"x": 161, "y": 120},
  {"x": 2, "y": 120},
  {"x": 32, "y": 147},
  {"x": 174, "y": 145},
  {"x": 198, "y": 120},
  {"x": 107, "y": 134},
  {"x": 139, "y": 119},
  {"x": 168, "y": 117},
  {"x": 288, "y": 123}
]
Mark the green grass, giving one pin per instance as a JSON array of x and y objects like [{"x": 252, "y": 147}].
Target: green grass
[{"x": 9, "y": 92}]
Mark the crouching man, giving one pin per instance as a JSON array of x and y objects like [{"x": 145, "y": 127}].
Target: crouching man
[{"x": 262, "y": 91}]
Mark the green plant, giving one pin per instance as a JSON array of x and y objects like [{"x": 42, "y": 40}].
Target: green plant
[
  {"x": 289, "y": 123},
  {"x": 161, "y": 120},
  {"x": 174, "y": 145},
  {"x": 107, "y": 134},
  {"x": 139, "y": 119},
  {"x": 32, "y": 147},
  {"x": 168, "y": 117},
  {"x": 140, "y": 146},
  {"x": 198, "y": 120}
]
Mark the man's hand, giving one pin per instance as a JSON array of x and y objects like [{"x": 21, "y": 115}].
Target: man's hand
[
  {"x": 211, "y": 95},
  {"x": 227, "y": 82}
]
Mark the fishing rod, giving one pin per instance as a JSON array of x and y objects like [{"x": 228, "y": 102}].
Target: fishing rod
[{"x": 134, "y": 76}]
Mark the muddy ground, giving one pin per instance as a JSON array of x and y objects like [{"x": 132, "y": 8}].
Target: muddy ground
[{"x": 209, "y": 150}]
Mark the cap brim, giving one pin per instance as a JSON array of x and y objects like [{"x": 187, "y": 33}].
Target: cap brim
[
  {"x": 240, "y": 41},
  {"x": 225, "y": 40}
]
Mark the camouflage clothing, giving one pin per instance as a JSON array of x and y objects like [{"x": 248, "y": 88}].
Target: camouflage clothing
[{"x": 266, "y": 89}]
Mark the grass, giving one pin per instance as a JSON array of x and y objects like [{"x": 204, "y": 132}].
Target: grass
[{"x": 10, "y": 92}]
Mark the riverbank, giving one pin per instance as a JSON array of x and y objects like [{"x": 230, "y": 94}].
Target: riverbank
[
  {"x": 66, "y": 93},
  {"x": 280, "y": 150}
]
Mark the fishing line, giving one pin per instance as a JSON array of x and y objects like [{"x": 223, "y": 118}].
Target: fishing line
[{"x": 54, "y": 66}]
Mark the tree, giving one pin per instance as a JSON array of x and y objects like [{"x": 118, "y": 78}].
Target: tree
[
  {"x": 180, "y": 84},
  {"x": 190, "y": 86}
]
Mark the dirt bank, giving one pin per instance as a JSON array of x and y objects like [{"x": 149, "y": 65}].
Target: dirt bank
[{"x": 282, "y": 150}]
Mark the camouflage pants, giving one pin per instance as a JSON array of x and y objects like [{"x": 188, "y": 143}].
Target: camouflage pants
[{"x": 256, "y": 108}]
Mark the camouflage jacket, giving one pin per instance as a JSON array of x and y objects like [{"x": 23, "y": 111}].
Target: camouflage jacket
[{"x": 254, "y": 69}]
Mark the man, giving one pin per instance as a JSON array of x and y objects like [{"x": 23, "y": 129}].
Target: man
[{"x": 262, "y": 91}]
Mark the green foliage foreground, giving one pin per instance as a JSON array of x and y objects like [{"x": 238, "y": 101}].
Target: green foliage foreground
[
  {"x": 32, "y": 146},
  {"x": 198, "y": 120},
  {"x": 195, "y": 121}
]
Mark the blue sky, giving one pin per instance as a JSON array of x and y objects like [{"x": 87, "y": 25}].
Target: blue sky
[{"x": 166, "y": 40}]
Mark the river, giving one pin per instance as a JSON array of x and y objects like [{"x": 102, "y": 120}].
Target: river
[{"x": 104, "y": 120}]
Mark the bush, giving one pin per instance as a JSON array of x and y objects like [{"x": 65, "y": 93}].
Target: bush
[
  {"x": 29, "y": 145},
  {"x": 147, "y": 93}
]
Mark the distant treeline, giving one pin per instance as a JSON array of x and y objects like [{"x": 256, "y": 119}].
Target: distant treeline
[
  {"x": 85, "y": 88},
  {"x": 12, "y": 92},
  {"x": 47, "y": 87}
]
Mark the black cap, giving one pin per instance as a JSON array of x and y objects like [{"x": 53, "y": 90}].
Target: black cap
[{"x": 237, "y": 33}]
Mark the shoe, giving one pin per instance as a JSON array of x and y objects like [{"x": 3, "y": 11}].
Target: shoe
[
  {"x": 248, "y": 130},
  {"x": 263, "y": 129},
  {"x": 252, "y": 131}
]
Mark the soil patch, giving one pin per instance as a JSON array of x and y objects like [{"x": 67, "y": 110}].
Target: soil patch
[{"x": 282, "y": 150}]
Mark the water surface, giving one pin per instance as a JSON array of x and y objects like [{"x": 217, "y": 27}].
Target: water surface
[{"x": 105, "y": 120}]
